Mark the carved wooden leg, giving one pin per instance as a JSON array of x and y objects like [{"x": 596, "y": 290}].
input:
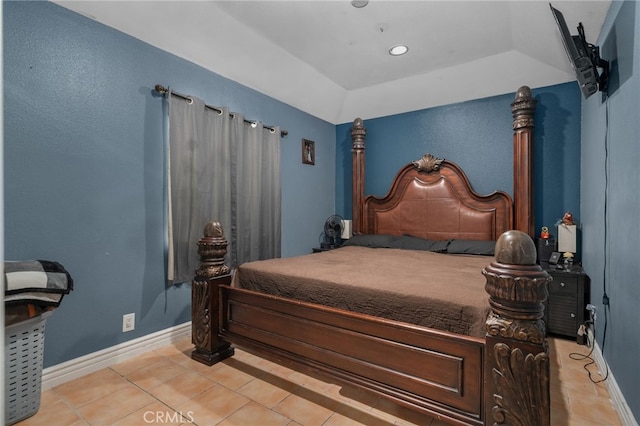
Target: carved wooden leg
[
  {"x": 212, "y": 248},
  {"x": 516, "y": 353}
]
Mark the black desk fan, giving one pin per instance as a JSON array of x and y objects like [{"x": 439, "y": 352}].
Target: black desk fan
[{"x": 332, "y": 235}]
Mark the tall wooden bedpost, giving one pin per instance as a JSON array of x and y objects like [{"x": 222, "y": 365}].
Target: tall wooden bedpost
[
  {"x": 212, "y": 273},
  {"x": 358, "y": 133},
  {"x": 523, "y": 110},
  {"x": 516, "y": 352}
]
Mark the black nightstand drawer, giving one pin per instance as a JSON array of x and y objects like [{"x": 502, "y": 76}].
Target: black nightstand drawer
[{"x": 563, "y": 285}]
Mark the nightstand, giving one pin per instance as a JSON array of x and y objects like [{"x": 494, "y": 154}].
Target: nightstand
[{"x": 565, "y": 311}]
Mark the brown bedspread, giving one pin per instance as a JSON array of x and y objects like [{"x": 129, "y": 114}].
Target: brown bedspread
[{"x": 441, "y": 291}]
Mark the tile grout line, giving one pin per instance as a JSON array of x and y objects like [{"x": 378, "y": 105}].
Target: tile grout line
[{"x": 573, "y": 387}]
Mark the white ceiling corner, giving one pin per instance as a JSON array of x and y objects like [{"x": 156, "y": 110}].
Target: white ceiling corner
[{"x": 330, "y": 59}]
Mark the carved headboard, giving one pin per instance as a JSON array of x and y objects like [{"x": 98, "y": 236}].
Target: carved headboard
[
  {"x": 458, "y": 211},
  {"x": 432, "y": 198}
]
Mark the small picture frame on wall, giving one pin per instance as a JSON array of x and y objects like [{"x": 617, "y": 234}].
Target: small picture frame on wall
[{"x": 308, "y": 152}]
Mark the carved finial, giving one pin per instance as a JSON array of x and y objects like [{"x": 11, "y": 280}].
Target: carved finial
[
  {"x": 516, "y": 287},
  {"x": 358, "y": 133},
  {"x": 523, "y": 92},
  {"x": 515, "y": 248},
  {"x": 523, "y": 108},
  {"x": 212, "y": 249},
  {"x": 428, "y": 163},
  {"x": 213, "y": 229}
]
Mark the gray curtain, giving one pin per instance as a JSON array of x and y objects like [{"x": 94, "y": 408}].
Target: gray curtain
[
  {"x": 220, "y": 168},
  {"x": 256, "y": 189}
]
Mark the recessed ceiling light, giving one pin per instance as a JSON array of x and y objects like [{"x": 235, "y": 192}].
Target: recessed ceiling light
[
  {"x": 359, "y": 3},
  {"x": 398, "y": 50}
]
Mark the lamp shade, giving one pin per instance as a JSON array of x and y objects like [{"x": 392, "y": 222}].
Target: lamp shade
[
  {"x": 567, "y": 238},
  {"x": 347, "y": 232}
]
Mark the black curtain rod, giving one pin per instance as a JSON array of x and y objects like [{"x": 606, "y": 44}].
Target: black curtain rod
[{"x": 161, "y": 89}]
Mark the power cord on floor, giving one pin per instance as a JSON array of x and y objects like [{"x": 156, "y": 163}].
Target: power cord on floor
[{"x": 591, "y": 344}]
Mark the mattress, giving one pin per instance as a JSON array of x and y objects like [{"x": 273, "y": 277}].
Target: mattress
[{"x": 435, "y": 290}]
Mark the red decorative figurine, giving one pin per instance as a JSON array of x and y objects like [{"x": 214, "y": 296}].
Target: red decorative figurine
[
  {"x": 567, "y": 219},
  {"x": 544, "y": 233}
]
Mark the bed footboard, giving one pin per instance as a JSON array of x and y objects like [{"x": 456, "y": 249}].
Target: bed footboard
[
  {"x": 434, "y": 372},
  {"x": 502, "y": 379}
]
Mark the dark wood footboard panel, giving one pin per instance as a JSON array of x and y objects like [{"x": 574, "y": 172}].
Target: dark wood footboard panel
[{"x": 438, "y": 373}]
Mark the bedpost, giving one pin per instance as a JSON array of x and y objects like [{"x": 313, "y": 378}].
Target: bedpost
[
  {"x": 205, "y": 301},
  {"x": 516, "y": 352},
  {"x": 523, "y": 110},
  {"x": 358, "y": 133}
]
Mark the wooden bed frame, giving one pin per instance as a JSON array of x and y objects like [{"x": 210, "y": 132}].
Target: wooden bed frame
[{"x": 501, "y": 379}]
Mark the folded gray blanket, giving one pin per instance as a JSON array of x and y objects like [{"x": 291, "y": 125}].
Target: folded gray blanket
[{"x": 36, "y": 281}]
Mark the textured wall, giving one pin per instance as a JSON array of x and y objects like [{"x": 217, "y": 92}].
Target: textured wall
[
  {"x": 611, "y": 199},
  {"x": 84, "y": 161}
]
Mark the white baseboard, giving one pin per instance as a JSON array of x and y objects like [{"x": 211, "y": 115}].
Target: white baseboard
[
  {"x": 78, "y": 367},
  {"x": 617, "y": 398}
]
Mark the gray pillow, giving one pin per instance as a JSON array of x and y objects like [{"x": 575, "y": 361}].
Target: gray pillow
[
  {"x": 480, "y": 247},
  {"x": 409, "y": 242},
  {"x": 371, "y": 240}
]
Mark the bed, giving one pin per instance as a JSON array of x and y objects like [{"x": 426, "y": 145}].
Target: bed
[{"x": 485, "y": 363}]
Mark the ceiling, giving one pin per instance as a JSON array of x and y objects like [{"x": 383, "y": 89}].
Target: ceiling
[{"x": 331, "y": 60}]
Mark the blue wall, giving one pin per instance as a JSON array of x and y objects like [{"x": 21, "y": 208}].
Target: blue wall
[
  {"x": 611, "y": 199},
  {"x": 84, "y": 162},
  {"x": 478, "y": 136}
]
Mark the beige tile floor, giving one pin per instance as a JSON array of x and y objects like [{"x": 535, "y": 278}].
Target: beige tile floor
[{"x": 166, "y": 386}]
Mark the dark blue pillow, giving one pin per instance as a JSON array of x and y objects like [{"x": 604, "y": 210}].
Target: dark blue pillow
[
  {"x": 371, "y": 240},
  {"x": 409, "y": 242},
  {"x": 480, "y": 247}
]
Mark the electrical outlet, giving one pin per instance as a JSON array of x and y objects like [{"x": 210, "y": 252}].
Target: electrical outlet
[{"x": 128, "y": 322}]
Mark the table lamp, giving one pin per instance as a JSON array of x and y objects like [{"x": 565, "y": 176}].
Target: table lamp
[{"x": 567, "y": 242}]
